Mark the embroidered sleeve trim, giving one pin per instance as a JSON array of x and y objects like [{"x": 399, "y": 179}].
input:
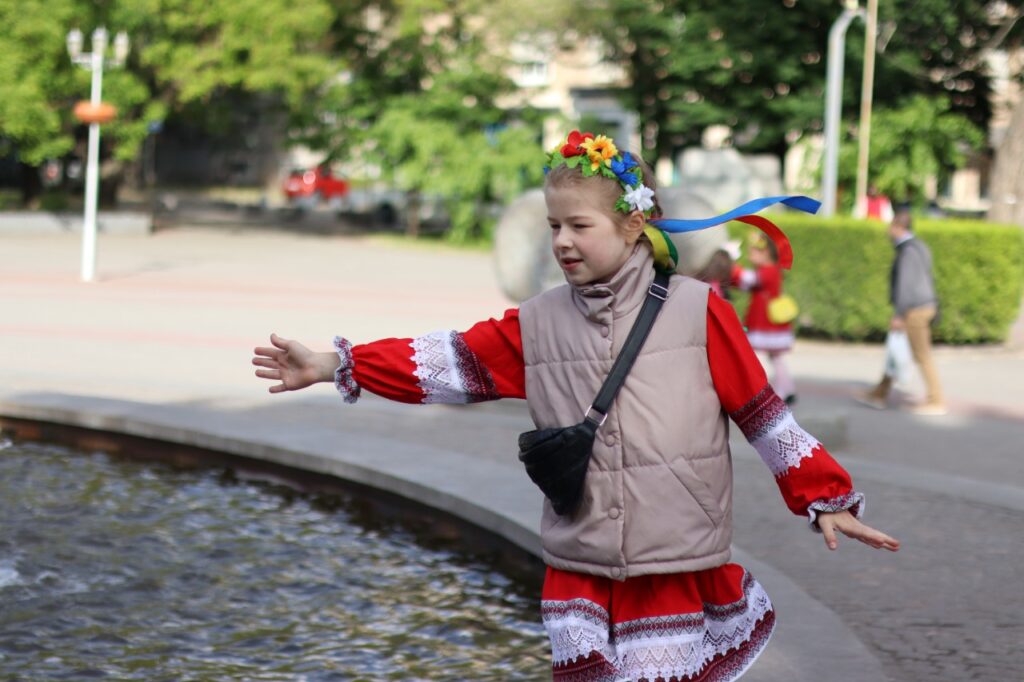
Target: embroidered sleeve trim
[
  {"x": 769, "y": 426},
  {"x": 343, "y": 379},
  {"x": 449, "y": 372},
  {"x": 852, "y": 501}
]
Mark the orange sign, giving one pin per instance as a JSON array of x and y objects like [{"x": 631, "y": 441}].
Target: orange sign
[{"x": 87, "y": 112}]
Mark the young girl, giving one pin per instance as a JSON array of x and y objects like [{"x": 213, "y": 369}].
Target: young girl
[
  {"x": 638, "y": 584},
  {"x": 764, "y": 282}
]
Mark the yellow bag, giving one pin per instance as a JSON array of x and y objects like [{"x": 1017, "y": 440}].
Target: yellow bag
[{"x": 782, "y": 310}]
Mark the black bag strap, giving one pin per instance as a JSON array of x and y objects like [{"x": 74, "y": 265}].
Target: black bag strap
[{"x": 656, "y": 295}]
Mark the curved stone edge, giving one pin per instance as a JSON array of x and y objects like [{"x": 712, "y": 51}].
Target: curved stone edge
[
  {"x": 809, "y": 639},
  {"x": 425, "y": 472}
]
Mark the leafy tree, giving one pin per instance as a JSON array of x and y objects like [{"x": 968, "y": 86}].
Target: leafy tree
[
  {"x": 36, "y": 78},
  {"x": 760, "y": 67},
  {"x": 922, "y": 139},
  {"x": 186, "y": 55},
  {"x": 420, "y": 98}
]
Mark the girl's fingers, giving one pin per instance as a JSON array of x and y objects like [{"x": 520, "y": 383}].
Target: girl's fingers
[
  {"x": 278, "y": 388},
  {"x": 870, "y": 536},
  {"x": 268, "y": 352},
  {"x": 265, "y": 362},
  {"x": 279, "y": 342},
  {"x": 269, "y": 374},
  {"x": 829, "y": 531}
]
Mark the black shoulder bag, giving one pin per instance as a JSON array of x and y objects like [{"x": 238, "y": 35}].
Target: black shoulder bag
[{"x": 556, "y": 459}]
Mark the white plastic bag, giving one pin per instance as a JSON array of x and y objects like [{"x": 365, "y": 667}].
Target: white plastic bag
[{"x": 899, "y": 361}]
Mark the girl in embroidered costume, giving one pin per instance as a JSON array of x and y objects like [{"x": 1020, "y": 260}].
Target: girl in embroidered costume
[
  {"x": 767, "y": 332},
  {"x": 638, "y": 584}
]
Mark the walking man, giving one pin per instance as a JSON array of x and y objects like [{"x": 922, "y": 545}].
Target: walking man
[{"x": 915, "y": 304}]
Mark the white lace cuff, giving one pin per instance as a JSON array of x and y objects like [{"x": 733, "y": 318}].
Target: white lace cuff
[
  {"x": 852, "y": 501},
  {"x": 343, "y": 379}
]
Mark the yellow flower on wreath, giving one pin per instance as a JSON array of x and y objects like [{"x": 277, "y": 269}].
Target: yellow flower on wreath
[{"x": 600, "y": 150}]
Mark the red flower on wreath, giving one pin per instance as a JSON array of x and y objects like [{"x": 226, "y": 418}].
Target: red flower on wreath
[{"x": 572, "y": 145}]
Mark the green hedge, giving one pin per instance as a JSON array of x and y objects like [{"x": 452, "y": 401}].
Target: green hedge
[{"x": 840, "y": 276}]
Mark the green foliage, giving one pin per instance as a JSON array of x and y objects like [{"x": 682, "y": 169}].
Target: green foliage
[
  {"x": 420, "y": 100},
  {"x": 920, "y": 140},
  {"x": 37, "y": 77},
  {"x": 184, "y": 52},
  {"x": 760, "y": 67},
  {"x": 840, "y": 276},
  {"x": 469, "y": 170}
]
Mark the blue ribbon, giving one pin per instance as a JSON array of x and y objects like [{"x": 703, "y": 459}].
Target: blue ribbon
[{"x": 800, "y": 203}]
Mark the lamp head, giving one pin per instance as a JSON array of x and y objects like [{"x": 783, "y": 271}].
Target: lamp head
[
  {"x": 121, "y": 47},
  {"x": 74, "y": 43},
  {"x": 99, "y": 40}
]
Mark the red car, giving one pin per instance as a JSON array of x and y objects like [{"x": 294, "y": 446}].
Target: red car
[{"x": 317, "y": 184}]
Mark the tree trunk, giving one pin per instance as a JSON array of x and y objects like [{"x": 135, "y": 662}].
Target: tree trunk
[
  {"x": 31, "y": 185},
  {"x": 412, "y": 214},
  {"x": 1007, "y": 188}
]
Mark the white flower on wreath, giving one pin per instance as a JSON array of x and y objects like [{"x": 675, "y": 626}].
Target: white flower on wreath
[{"x": 640, "y": 198}]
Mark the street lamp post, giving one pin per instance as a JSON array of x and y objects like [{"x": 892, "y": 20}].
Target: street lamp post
[
  {"x": 94, "y": 114},
  {"x": 834, "y": 103}
]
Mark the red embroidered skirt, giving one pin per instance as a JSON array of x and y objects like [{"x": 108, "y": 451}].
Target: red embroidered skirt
[{"x": 681, "y": 627}]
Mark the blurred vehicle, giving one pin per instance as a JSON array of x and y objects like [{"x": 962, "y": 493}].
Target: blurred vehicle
[
  {"x": 308, "y": 187},
  {"x": 388, "y": 207}
]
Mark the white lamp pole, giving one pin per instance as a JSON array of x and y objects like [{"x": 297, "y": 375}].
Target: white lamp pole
[
  {"x": 94, "y": 62},
  {"x": 834, "y": 103}
]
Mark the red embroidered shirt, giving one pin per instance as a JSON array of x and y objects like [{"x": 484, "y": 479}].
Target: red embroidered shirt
[{"x": 486, "y": 363}]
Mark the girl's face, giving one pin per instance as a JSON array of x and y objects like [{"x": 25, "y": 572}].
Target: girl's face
[
  {"x": 589, "y": 244},
  {"x": 759, "y": 257}
]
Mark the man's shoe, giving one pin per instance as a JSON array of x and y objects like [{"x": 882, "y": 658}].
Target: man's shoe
[
  {"x": 871, "y": 400},
  {"x": 929, "y": 410}
]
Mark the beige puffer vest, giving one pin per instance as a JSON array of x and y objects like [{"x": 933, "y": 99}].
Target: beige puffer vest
[{"x": 658, "y": 494}]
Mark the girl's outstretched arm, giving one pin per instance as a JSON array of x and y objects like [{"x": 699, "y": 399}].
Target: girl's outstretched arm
[
  {"x": 810, "y": 480},
  {"x": 483, "y": 363}
]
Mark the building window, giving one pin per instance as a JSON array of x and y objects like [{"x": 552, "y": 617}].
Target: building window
[{"x": 532, "y": 74}]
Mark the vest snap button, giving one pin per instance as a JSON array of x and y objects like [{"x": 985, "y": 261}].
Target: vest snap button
[
  {"x": 609, "y": 439},
  {"x": 605, "y": 330},
  {"x": 616, "y": 572},
  {"x": 613, "y": 512}
]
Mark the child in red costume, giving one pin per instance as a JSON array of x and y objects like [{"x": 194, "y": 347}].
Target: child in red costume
[
  {"x": 764, "y": 282},
  {"x": 638, "y": 583}
]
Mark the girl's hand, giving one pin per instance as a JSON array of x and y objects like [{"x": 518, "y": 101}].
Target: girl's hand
[
  {"x": 294, "y": 365},
  {"x": 848, "y": 525}
]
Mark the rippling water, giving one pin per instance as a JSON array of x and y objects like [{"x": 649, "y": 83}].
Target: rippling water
[{"x": 128, "y": 570}]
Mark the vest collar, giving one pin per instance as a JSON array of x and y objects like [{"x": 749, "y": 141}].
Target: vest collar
[{"x": 622, "y": 293}]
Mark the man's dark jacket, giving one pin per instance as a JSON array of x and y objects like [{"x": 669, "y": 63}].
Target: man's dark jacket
[{"x": 911, "y": 282}]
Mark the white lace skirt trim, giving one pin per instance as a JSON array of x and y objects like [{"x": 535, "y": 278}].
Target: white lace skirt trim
[
  {"x": 771, "y": 340},
  {"x": 715, "y": 645}
]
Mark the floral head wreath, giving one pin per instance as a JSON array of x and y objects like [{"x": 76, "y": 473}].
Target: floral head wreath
[{"x": 598, "y": 155}]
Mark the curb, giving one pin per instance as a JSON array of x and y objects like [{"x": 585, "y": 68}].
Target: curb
[{"x": 41, "y": 222}]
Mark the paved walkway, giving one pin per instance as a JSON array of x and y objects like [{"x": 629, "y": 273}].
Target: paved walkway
[{"x": 162, "y": 342}]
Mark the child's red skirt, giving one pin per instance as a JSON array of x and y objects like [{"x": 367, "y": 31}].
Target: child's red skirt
[{"x": 706, "y": 625}]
